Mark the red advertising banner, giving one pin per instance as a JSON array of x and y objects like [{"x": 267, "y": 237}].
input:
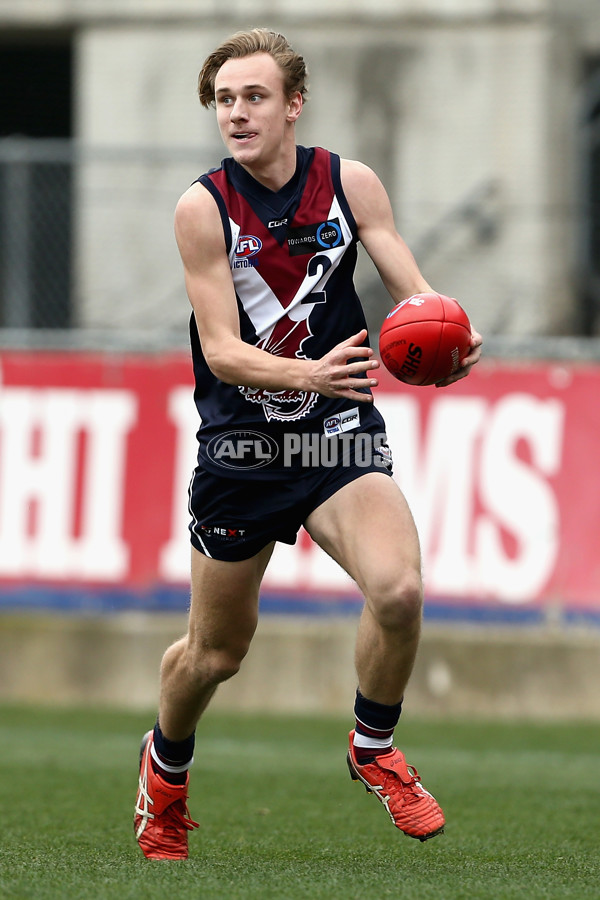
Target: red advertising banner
[{"x": 500, "y": 470}]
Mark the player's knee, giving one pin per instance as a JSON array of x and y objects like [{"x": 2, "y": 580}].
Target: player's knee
[
  {"x": 398, "y": 602},
  {"x": 212, "y": 666},
  {"x": 224, "y": 666}
]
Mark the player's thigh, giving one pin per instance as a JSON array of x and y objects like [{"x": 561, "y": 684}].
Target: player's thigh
[
  {"x": 368, "y": 528},
  {"x": 224, "y": 598}
]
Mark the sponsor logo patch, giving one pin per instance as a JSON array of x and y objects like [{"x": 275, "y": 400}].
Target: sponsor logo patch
[
  {"x": 313, "y": 238},
  {"x": 345, "y": 421},
  {"x": 224, "y": 533},
  {"x": 385, "y": 456}
]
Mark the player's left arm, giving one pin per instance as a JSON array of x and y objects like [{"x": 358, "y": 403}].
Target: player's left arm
[{"x": 394, "y": 261}]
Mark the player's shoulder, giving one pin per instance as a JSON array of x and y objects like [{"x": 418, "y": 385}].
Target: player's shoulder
[
  {"x": 357, "y": 174},
  {"x": 196, "y": 197},
  {"x": 363, "y": 189},
  {"x": 196, "y": 208},
  {"x": 198, "y": 226}
]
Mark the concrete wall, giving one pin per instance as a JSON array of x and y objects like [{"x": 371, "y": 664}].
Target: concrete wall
[
  {"x": 304, "y": 666},
  {"x": 57, "y": 11}
]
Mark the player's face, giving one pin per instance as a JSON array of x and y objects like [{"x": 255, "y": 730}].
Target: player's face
[{"x": 254, "y": 115}]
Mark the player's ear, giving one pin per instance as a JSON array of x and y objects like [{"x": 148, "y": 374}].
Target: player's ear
[{"x": 295, "y": 104}]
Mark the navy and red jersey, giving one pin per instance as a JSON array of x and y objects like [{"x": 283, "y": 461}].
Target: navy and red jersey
[{"x": 292, "y": 254}]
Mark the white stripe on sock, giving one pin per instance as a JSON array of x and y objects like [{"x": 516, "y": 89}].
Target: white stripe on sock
[
  {"x": 362, "y": 740},
  {"x": 173, "y": 770}
]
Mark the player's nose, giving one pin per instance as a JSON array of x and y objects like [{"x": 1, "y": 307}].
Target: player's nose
[{"x": 238, "y": 111}]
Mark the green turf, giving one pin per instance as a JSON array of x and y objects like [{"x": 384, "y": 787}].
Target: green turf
[{"x": 281, "y": 818}]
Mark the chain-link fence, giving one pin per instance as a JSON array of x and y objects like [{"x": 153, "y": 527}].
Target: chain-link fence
[
  {"x": 36, "y": 200},
  {"x": 86, "y": 240},
  {"x": 87, "y": 253}
]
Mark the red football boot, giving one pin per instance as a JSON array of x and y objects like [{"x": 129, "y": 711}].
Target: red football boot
[
  {"x": 397, "y": 785},
  {"x": 162, "y": 820}
]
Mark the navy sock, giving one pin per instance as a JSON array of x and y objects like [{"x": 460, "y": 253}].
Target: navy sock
[
  {"x": 374, "y": 730},
  {"x": 172, "y": 755}
]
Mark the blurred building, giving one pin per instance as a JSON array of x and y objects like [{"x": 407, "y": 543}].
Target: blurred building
[{"x": 482, "y": 117}]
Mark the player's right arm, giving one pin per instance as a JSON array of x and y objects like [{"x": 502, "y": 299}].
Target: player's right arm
[{"x": 210, "y": 288}]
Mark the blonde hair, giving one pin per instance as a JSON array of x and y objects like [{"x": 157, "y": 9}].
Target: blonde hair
[{"x": 246, "y": 43}]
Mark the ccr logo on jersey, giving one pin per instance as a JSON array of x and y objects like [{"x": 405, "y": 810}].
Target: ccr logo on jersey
[{"x": 242, "y": 450}]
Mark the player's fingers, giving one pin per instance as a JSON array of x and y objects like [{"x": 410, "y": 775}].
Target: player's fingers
[
  {"x": 355, "y": 339},
  {"x": 343, "y": 354},
  {"x": 355, "y": 368},
  {"x": 351, "y": 346},
  {"x": 476, "y": 339},
  {"x": 461, "y": 373},
  {"x": 345, "y": 383},
  {"x": 474, "y": 354},
  {"x": 351, "y": 394}
]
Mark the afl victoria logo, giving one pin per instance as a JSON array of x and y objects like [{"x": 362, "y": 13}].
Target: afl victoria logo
[
  {"x": 247, "y": 245},
  {"x": 242, "y": 450}
]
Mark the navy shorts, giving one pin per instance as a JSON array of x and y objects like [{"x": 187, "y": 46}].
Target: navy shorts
[{"x": 234, "y": 518}]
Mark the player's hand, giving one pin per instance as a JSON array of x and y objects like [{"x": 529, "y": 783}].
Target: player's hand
[
  {"x": 467, "y": 363},
  {"x": 334, "y": 376}
]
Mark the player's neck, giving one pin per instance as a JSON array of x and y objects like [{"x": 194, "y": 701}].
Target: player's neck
[{"x": 274, "y": 175}]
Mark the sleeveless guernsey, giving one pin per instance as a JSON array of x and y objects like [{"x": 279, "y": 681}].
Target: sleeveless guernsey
[{"x": 292, "y": 254}]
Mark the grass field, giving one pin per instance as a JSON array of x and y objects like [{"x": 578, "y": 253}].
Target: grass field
[{"x": 281, "y": 819}]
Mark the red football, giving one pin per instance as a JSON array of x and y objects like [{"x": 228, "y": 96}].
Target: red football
[{"x": 424, "y": 339}]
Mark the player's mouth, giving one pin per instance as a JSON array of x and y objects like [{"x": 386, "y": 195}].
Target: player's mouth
[{"x": 244, "y": 136}]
